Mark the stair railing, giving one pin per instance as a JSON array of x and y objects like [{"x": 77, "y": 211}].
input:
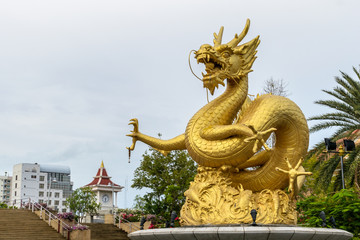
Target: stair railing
[
  {"x": 34, "y": 206},
  {"x": 122, "y": 221}
]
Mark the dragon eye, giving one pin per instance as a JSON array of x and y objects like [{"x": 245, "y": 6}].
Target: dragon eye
[{"x": 226, "y": 54}]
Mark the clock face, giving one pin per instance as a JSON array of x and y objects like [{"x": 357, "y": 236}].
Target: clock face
[{"x": 105, "y": 198}]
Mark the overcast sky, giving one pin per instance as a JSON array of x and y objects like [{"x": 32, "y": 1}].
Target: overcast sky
[{"x": 72, "y": 73}]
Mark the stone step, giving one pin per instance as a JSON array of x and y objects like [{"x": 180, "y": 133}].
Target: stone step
[
  {"x": 18, "y": 224},
  {"x": 101, "y": 231}
]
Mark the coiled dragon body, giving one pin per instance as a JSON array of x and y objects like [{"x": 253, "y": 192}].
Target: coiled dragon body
[{"x": 231, "y": 130}]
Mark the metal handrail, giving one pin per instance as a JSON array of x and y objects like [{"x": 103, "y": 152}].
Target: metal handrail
[
  {"x": 38, "y": 206},
  {"x": 35, "y": 205},
  {"x": 126, "y": 222}
]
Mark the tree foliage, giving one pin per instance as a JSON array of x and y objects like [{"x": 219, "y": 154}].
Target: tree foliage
[
  {"x": 168, "y": 177},
  {"x": 344, "y": 206},
  {"x": 82, "y": 201},
  {"x": 345, "y": 116}
]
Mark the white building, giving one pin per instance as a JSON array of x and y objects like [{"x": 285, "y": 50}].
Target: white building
[
  {"x": 42, "y": 183},
  {"x": 5, "y": 189}
]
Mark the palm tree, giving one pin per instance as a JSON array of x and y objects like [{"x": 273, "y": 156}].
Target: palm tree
[{"x": 346, "y": 117}]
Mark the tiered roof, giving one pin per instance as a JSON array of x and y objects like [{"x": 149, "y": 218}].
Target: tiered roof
[{"x": 102, "y": 179}]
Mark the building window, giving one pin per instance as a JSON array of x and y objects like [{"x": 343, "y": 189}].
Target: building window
[
  {"x": 64, "y": 210},
  {"x": 33, "y": 176},
  {"x": 57, "y": 195},
  {"x": 48, "y": 194},
  {"x": 42, "y": 178},
  {"x": 15, "y": 193},
  {"x": 24, "y": 186},
  {"x": 41, "y": 194},
  {"x": 49, "y": 202},
  {"x": 16, "y": 177},
  {"x": 15, "y": 185},
  {"x": 56, "y": 203},
  {"x": 41, "y": 201},
  {"x": 41, "y": 185}
]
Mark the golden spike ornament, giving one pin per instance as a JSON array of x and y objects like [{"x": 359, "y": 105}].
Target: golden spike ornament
[{"x": 227, "y": 138}]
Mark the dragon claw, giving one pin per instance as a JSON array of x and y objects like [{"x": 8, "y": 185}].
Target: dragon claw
[
  {"x": 134, "y": 133},
  {"x": 259, "y": 138}
]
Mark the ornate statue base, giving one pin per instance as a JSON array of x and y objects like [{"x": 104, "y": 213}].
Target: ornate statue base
[
  {"x": 240, "y": 232},
  {"x": 213, "y": 198}
]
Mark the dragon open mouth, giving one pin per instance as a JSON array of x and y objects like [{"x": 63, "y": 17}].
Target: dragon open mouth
[
  {"x": 214, "y": 71},
  {"x": 212, "y": 65}
]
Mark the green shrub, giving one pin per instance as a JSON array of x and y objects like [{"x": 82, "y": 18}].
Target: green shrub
[
  {"x": 344, "y": 206},
  {"x": 3, "y": 205}
]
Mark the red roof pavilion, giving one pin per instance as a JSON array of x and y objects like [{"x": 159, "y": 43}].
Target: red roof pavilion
[{"x": 102, "y": 179}]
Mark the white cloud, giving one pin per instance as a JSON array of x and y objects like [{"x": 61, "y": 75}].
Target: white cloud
[{"x": 72, "y": 73}]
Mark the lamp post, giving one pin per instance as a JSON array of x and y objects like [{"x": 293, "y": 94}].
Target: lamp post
[{"x": 331, "y": 148}]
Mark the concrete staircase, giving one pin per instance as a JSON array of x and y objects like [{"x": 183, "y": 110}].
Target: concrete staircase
[
  {"x": 24, "y": 225},
  {"x": 100, "y": 231}
]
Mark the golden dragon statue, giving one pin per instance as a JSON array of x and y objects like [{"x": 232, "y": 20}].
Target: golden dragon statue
[{"x": 227, "y": 138}]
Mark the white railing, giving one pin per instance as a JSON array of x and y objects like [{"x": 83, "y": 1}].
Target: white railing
[
  {"x": 44, "y": 212},
  {"x": 130, "y": 225}
]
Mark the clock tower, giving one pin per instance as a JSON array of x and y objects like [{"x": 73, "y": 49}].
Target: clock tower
[{"x": 106, "y": 190}]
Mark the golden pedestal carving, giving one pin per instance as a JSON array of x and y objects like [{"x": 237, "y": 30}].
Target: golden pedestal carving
[{"x": 213, "y": 199}]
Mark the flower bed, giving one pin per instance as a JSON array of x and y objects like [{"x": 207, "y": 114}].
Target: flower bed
[{"x": 152, "y": 220}]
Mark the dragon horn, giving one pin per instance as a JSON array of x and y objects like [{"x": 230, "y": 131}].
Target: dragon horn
[
  {"x": 218, "y": 37},
  {"x": 233, "y": 43}
]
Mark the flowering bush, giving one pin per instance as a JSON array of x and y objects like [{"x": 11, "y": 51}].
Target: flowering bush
[
  {"x": 44, "y": 205},
  {"x": 68, "y": 216},
  {"x": 152, "y": 226},
  {"x": 76, "y": 227},
  {"x": 79, "y": 227},
  {"x": 177, "y": 222},
  {"x": 131, "y": 215},
  {"x": 156, "y": 221},
  {"x": 151, "y": 217}
]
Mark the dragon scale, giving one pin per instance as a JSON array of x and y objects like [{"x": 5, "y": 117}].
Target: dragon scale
[{"x": 264, "y": 112}]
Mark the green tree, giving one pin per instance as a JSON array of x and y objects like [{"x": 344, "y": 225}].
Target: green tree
[
  {"x": 346, "y": 117},
  {"x": 168, "y": 177},
  {"x": 83, "y": 201}
]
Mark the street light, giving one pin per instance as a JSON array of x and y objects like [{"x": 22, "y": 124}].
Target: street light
[
  {"x": 331, "y": 148},
  {"x": 49, "y": 188}
]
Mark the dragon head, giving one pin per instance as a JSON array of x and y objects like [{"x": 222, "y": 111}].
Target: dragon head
[{"x": 226, "y": 61}]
